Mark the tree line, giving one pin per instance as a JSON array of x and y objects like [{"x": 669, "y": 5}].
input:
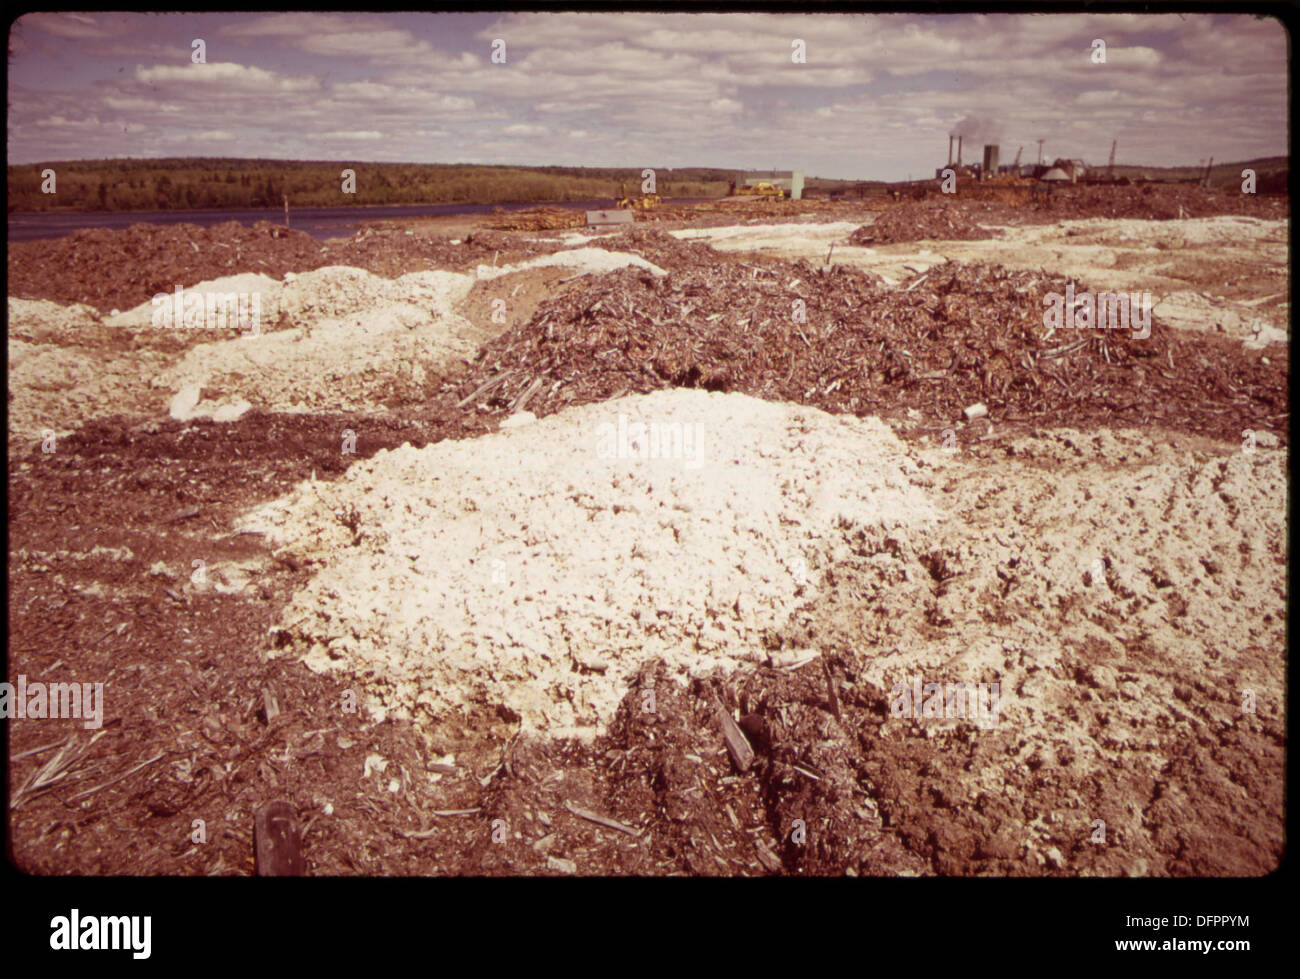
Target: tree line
[{"x": 179, "y": 184}]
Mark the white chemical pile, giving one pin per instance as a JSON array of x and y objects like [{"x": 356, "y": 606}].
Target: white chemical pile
[
  {"x": 246, "y": 284},
  {"x": 349, "y": 327},
  {"x": 585, "y": 259},
  {"x": 797, "y": 236},
  {"x": 63, "y": 370},
  {"x": 43, "y": 321},
  {"x": 536, "y": 568}
]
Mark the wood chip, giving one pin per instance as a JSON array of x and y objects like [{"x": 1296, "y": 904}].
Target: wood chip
[
  {"x": 767, "y": 858},
  {"x": 270, "y": 706},
  {"x": 277, "y": 844},
  {"x": 742, "y": 755},
  {"x": 605, "y": 821},
  {"x": 830, "y": 690}
]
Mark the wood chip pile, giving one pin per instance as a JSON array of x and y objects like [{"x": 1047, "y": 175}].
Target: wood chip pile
[
  {"x": 958, "y": 335},
  {"x": 87, "y": 266},
  {"x": 926, "y": 220},
  {"x": 960, "y": 217}
]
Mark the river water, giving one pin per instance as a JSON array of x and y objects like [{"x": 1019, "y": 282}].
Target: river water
[{"x": 319, "y": 222}]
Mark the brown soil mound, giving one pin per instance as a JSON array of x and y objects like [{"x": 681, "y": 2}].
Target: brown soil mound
[
  {"x": 921, "y": 220},
  {"x": 122, "y": 269},
  {"x": 88, "y": 266},
  {"x": 959, "y": 217},
  {"x": 662, "y": 249},
  {"x": 964, "y": 334},
  {"x": 1153, "y": 202},
  {"x": 395, "y": 253}
]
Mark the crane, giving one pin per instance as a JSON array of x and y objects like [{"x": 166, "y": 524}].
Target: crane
[
  {"x": 1015, "y": 167},
  {"x": 1110, "y": 167}
]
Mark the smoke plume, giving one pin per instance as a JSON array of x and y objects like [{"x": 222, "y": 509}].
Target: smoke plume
[{"x": 975, "y": 130}]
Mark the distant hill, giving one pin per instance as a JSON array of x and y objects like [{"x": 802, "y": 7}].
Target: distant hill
[
  {"x": 186, "y": 183},
  {"x": 176, "y": 184}
]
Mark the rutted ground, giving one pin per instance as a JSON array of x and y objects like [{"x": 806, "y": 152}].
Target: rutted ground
[
  {"x": 1129, "y": 598},
  {"x": 1129, "y": 593}
]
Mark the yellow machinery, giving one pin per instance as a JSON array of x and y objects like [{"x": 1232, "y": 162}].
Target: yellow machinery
[
  {"x": 762, "y": 189},
  {"x": 646, "y": 203}
]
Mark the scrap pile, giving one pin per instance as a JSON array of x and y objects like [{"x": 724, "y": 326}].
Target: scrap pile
[
  {"x": 969, "y": 214},
  {"x": 662, "y": 249},
  {"x": 538, "y": 219},
  {"x": 121, "y": 269},
  {"x": 920, "y": 221},
  {"x": 395, "y": 253},
  {"x": 731, "y": 210},
  {"x": 87, "y": 266},
  {"x": 1157, "y": 202},
  {"x": 957, "y": 336}
]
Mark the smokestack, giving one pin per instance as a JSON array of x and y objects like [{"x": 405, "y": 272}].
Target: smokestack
[
  {"x": 959, "y": 152},
  {"x": 990, "y": 161},
  {"x": 950, "y": 149}
]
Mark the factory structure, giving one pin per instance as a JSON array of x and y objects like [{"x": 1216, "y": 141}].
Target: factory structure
[{"x": 990, "y": 167}]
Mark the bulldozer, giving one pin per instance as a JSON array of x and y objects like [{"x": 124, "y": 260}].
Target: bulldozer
[
  {"x": 762, "y": 189},
  {"x": 647, "y": 202}
]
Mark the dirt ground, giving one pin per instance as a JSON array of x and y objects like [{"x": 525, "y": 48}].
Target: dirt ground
[{"x": 1109, "y": 546}]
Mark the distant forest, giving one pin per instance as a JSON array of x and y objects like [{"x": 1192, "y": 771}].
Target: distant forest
[
  {"x": 170, "y": 184},
  {"x": 183, "y": 184}
]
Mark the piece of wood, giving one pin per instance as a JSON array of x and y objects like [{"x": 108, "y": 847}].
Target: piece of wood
[
  {"x": 742, "y": 755},
  {"x": 793, "y": 659},
  {"x": 114, "y": 781},
  {"x": 37, "y": 751},
  {"x": 830, "y": 689},
  {"x": 523, "y": 399},
  {"x": 767, "y": 858},
  {"x": 270, "y": 706},
  {"x": 277, "y": 844},
  {"x": 592, "y": 817},
  {"x": 483, "y": 388}
]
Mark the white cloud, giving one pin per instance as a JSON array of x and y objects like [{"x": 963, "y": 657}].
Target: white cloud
[
  {"x": 524, "y": 129},
  {"x": 230, "y": 77},
  {"x": 70, "y": 26}
]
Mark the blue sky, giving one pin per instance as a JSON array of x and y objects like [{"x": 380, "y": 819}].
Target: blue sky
[{"x": 876, "y": 98}]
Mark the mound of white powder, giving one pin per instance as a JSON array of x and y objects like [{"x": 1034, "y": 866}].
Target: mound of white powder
[{"x": 536, "y": 568}]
